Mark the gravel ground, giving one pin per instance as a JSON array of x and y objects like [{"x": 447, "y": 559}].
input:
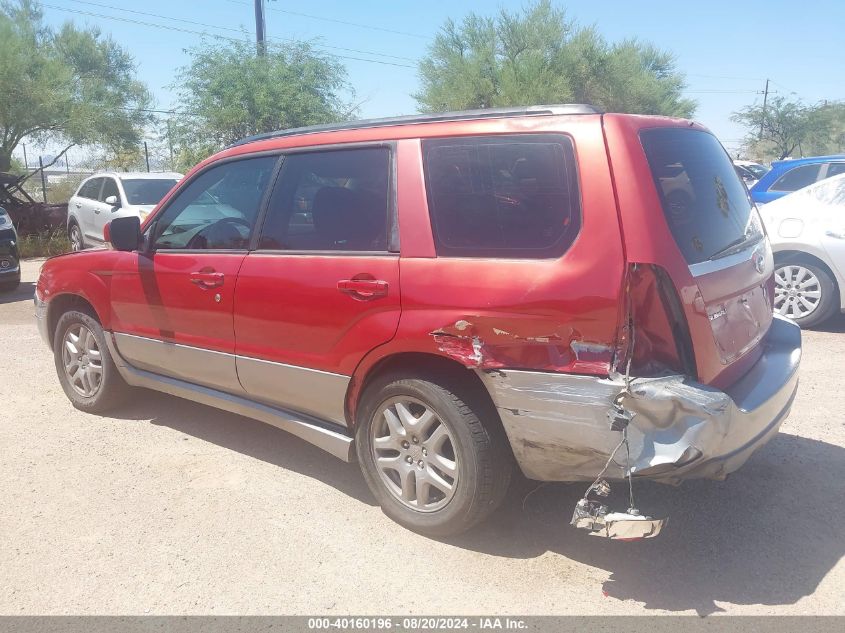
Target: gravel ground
[{"x": 170, "y": 507}]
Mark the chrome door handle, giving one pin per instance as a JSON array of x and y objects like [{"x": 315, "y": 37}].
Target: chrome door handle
[
  {"x": 839, "y": 235},
  {"x": 97, "y": 211}
]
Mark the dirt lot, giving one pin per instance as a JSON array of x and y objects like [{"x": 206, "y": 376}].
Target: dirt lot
[{"x": 171, "y": 507}]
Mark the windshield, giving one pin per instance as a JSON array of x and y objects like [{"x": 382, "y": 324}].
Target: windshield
[
  {"x": 146, "y": 190},
  {"x": 705, "y": 203}
]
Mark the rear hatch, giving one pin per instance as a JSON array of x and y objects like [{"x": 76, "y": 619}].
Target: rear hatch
[{"x": 726, "y": 285}]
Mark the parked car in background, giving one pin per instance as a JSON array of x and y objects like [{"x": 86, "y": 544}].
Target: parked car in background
[
  {"x": 756, "y": 169},
  {"x": 106, "y": 196},
  {"x": 748, "y": 176},
  {"x": 807, "y": 231},
  {"x": 787, "y": 176},
  {"x": 549, "y": 308},
  {"x": 10, "y": 269}
]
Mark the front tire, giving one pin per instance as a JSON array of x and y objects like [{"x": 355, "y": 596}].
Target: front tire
[
  {"x": 85, "y": 367},
  {"x": 74, "y": 234},
  {"x": 433, "y": 454},
  {"x": 804, "y": 292}
]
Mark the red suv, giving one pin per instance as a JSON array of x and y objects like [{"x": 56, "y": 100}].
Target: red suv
[{"x": 444, "y": 296}]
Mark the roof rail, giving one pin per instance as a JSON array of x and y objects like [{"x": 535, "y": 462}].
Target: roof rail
[{"x": 414, "y": 119}]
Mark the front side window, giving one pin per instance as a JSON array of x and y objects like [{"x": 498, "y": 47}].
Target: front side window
[
  {"x": 796, "y": 178},
  {"x": 502, "y": 196},
  {"x": 147, "y": 191},
  {"x": 334, "y": 200},
  {"x": 91, "y": 189},
  {"x": 109, "y": 189},
  {"x": 217, "y": 209}
]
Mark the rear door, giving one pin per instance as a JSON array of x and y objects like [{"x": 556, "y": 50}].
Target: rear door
[
  {"x": 321, "y": 287},
  {"x": 172, "y": 303}
]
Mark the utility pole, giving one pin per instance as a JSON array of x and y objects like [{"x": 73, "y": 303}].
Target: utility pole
[
  {"x": 260, "y": 28},
  {"x": 147, "y": 155},
  {"x": 25, "y": 161},
  {"x": 765, "y": 99}
]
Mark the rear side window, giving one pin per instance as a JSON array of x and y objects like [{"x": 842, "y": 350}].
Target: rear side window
[
  {"x": 334, "y": 200},
  {"x": 796, "y": 178},
  {"x": 834, "y": 169},
  {"x": 502, "y": 196},
  {"x": 704, "y": 201}
]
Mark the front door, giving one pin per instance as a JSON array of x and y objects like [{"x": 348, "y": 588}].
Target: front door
[
  {"x": 172, "y": 303},
  {"x": 322, "y": 287}
]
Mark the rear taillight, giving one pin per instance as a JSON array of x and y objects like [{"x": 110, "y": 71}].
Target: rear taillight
[{"x": 656, "y": 324}]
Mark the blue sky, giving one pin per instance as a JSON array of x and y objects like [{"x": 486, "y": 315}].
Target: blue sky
[{"x": 727, "y": 49}]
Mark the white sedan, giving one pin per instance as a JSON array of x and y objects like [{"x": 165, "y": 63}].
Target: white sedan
[{"x": 807, "y": 231}]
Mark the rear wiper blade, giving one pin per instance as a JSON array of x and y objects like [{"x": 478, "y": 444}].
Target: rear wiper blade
[{"x": 736, "y": 245}]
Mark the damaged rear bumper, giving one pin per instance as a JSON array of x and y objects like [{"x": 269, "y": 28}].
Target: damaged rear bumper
[{"x": 559, "y": 429}]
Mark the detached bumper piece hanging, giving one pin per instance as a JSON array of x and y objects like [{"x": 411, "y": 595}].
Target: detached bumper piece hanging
[{"x": 624, "y": 526}]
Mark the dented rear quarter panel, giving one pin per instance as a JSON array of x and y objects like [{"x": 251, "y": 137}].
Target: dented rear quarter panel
[{"x": 544, "y": 314}]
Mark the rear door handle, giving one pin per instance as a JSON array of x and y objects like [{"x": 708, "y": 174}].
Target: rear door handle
[
  {"x": 839, "y": 235},
  {"x": 363, "y": 289},
  {"x": 78, "y": 205},
  {"x": 207, "y": 279}
]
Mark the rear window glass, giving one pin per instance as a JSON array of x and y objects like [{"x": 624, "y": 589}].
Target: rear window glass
[
  {"x": 797, "y": 178},
  {"x": 704, "y": 201},
  {"x": 502, "y": 196},
  {"x": 90, "y": 189}
]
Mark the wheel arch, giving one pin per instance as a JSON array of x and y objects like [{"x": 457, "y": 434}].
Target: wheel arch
[
  {"x": 415, "y": 364},
  {"x": 60, "y": 304}
]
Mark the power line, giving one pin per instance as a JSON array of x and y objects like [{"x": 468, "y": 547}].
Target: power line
[
  {"x": 344, "y": 22},
  {"x": 214, "y": 35},
  {"x": 234, "y": 30}
]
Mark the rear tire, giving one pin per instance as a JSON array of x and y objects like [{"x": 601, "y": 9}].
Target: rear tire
[
  {"x": 433, "y": 454},
  {"x": 85, "y": 367},
  {"x": 8, "y": 286},
  {"x": 804, "y": 292}
]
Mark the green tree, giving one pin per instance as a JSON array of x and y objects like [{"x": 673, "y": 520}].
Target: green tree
[
  {"x": 785, "y": 126},
  {"x": 537, "y": 55},
  {"x": 228, "y": 92},
  {"x": 68, "y": 86}
]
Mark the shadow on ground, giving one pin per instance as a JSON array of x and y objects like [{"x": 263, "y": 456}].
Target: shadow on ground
[
  {"x": 248, "y": 437},
  {"x": 766, "y": 536},
  {"x": 24, "y": 292}
]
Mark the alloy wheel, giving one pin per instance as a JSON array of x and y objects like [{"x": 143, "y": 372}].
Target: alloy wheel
[
  {"x": 82, "y": 360},
  {"x": 414, "y": 454},
  {"x": 798, "y": 291},
  {"x": 75, "y": 238}
]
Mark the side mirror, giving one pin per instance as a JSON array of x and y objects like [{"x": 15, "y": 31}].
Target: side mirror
[
  {"x": 124, "y": 234},
  {"x": 112, "y": 201}
]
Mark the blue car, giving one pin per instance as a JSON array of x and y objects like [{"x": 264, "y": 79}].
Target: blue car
[{"x": 787, "y": 176}]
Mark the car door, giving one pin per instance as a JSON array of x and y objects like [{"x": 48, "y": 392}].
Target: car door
[
  {"x": 172, "y": 301},
  {"x": 830, "y": 205},
  {"x": 86, "y": 202},
  {"x": 321, "y": 287},
  {"x": 103, "y": 211}
]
